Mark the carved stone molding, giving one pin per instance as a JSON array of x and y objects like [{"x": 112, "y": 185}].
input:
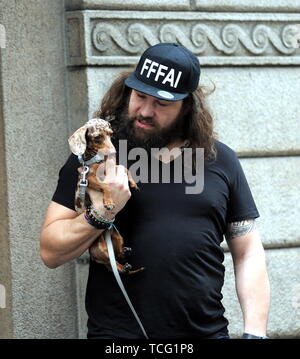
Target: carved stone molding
[{"x": 118, "y": 38}]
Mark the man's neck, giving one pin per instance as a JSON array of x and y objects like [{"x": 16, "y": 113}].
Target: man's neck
[
  {"x": 176, "y": 144},
  {"x": 173, "y": 151}
]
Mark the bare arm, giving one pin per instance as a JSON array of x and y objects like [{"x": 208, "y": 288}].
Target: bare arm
[
  {"x": 252, "y": 283},
  {"x": 65, "y": 235}
]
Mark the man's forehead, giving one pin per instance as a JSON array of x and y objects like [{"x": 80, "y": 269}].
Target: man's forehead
[{"x": 156, "y": 98}]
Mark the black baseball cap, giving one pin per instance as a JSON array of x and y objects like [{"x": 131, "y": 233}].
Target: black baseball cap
[{"x": 167, "y": 71}]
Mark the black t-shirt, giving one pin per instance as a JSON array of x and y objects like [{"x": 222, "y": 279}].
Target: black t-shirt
[{"x": 176, "y": 237}]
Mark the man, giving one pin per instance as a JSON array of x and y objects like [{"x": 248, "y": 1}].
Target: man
[{"x": 174, "y": 235}]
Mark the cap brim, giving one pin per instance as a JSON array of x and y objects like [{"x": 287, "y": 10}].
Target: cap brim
[{"x": 140, "y": 86}]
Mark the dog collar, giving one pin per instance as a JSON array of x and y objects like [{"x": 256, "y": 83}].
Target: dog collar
[{"x": 96, "y": 159}]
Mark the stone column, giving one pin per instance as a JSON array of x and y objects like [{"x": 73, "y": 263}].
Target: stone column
[
  {"x": 39, "y": 303},
  {"x": 5, "y": 264}
]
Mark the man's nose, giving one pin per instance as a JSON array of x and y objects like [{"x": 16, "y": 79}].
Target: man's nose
[{"x": 147, "y": 109}]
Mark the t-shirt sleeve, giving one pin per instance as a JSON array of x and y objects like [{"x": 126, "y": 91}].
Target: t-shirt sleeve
[
  {"x": 241, "y": 203},
  {"x": 67, "y": 182}
]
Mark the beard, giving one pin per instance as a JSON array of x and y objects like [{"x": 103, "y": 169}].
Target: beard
[{"x": 125, "y": 129}]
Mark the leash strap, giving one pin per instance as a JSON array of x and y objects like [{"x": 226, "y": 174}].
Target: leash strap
[
  {"x": 82, "y": 189},
  {"x": 83, "y": 182},
  {"x": 112, "y": 259}
]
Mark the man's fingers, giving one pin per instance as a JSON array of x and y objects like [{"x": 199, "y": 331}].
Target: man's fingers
[
  {"x": 110, "y": 169},
  {"x": 121, "y": 170},
  {"x": 109, "y": 172},
  {"x": 100, "y": 172},
  {"x": 106, "y": 171}
]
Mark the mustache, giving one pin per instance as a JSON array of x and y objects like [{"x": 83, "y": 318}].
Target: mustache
[{"x": 148, "y": 120}]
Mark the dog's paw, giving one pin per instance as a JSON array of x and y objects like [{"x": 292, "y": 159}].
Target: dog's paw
[
  {"x": 127, "y": 268},
  {"x": 134, "y": 187}
]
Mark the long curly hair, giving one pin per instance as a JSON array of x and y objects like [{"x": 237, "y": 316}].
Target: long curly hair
[{"x": 198, "y": 121}]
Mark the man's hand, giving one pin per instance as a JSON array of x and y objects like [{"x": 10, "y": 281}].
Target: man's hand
[{"x": 116, "y": 178}]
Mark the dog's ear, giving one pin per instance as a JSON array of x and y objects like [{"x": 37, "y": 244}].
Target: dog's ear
[{"x": 77, "y": 141}]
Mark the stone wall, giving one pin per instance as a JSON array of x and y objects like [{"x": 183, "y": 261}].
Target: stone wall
[
  {"x": 61, "y": 56},
  {"x": 246, "y": 50}
]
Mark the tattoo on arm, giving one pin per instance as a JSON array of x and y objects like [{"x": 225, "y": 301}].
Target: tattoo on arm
[{"x": 236, "y": 229}]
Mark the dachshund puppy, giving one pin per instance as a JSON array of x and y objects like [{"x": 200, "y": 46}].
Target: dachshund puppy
[{"x": 92, "y": 144}]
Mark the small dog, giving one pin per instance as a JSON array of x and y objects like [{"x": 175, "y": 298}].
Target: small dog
[{"x": 94, "y": 139}]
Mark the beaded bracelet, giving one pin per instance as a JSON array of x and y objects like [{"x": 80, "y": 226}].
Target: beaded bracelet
[
  {"x": 96, "y": 214},
  {"x": 94, "y": 218}
]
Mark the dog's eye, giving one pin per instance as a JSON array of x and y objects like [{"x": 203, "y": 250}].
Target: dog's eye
[{"x": 98, "y": 138}]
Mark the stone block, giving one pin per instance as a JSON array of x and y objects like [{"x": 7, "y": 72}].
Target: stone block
[
  {"x": 276, "y": 188},
  {"x": 284, "y": 317},
  {"x": 161, "y": 5},
  {"x": 249, "y": 105},
  {"x": 248, "y": 5},
  {"x": 86, "y": 87},
  {"x": 77, "y": 98}
]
